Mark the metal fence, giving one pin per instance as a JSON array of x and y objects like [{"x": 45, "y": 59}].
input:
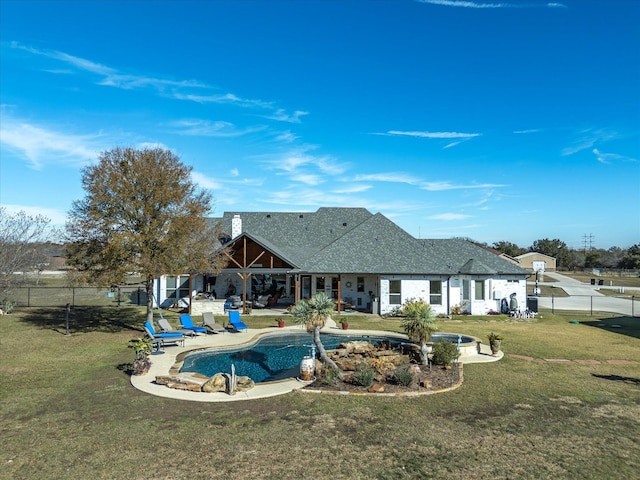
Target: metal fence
[
  {"x": 77, "y": 296},
  {"x": 627, "y": 305}
]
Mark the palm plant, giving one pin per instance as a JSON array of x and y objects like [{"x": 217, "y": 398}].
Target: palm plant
[
  {"x": 419, "y": 324},
  {"x": 313, "y": 313}
]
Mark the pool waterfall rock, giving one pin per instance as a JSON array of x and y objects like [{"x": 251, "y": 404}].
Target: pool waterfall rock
[
  {"x": 196, "y": 382},
  {"x": 350, "y": 356}
]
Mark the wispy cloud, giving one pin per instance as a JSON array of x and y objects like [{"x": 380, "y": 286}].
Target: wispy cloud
[
  {"x": 219, "y": 98},
  {"x": 481, "y": 5},
  {"x": 286, "y": 137},
  {"x": 307, "y": 178},
  {"x": 456, "y": 137},
  {"x": 524, "y": 132},
  {"x": 399, "y": 177},
  {"x": 419, "y": 134},
  {"x": 281, "y": 115},
  {"x": 186, "y": 90},
  {"x": 449, "y": 216},
  {"x": 302, "y": 161},
  {"x": 588, "y": 139},
  {"x": 608, "y": 158},
  {"x": 352, "y": 189},
  {"x": 442, "y": 186},
  {"x": 205, "y": 182},
  {"x": 40, "y": 145},
  {"x": 208, "y": 128},
  {"x": 392, "y": 177}
]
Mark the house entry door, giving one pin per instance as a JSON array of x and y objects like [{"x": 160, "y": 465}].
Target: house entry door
[{"x": 305, "y": 287}]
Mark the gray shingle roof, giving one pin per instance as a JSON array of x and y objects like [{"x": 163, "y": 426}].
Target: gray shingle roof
[{"x": 352, "y": 240}]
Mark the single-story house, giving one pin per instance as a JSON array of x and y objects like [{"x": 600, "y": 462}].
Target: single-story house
[{"x": 362, "y": 259}]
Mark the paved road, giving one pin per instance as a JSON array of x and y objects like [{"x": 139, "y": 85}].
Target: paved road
[{"x": 585, "y": 297}]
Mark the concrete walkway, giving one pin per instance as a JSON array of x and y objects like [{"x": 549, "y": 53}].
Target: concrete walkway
[
  {"x": 162, "y": 363},
  {"x": 586, "y": 297}
]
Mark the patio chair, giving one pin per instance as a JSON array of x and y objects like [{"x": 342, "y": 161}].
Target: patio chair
[
  {"x": 187, "y": 323},
  {"x": 210, "y": 323},
  {"x": 165, "y": 327},
  {"x": 236, "y": 322},
  {"x": 261, "y": 302},
  {"x": 175, "y": 338}
]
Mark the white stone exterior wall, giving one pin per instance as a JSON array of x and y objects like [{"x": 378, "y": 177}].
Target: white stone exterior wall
[{"x": 415, "y": 287}]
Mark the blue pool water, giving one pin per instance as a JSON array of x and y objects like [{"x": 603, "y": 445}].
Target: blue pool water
[{"x": 276, "y": 356}]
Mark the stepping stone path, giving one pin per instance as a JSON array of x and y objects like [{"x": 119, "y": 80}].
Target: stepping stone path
[{"x": 565, "y": 361}]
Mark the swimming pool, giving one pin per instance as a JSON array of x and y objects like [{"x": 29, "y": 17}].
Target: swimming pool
[{"x": 277, "y": 356}]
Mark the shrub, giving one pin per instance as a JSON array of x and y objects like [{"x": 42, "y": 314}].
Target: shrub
[
  {"x": 445, "y": 352},
  {"x": 403, "y": 376},
  {"x": 363, "y": 376},
  {"x": 495, "y": 336},
  {"x": 329, "y": 376},
  {"x": 142, "y": 347}
]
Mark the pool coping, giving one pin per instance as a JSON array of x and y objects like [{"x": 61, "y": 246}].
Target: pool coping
[{"x": 164, "y": 363}]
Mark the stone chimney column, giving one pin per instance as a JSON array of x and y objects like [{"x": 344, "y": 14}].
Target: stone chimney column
[{"x": 236, "y": 226}]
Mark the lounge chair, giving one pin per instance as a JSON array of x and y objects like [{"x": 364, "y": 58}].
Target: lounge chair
[
  {"x": 165, "y": 327},
  {"x": 235, "y": 300},
  {"x": 175, "y": 338},
  {"x": 210, "y": 323},
  {"x": 186, "y": 322},
  {"x": 235, "y": 321}
]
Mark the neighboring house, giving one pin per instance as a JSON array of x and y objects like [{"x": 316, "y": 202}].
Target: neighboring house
[
  {"x": 363, "y": 259},
  {"x": 537, "y": 262}
]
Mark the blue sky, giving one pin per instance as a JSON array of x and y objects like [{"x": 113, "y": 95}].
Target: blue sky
[{"x": 492, "y": 120}]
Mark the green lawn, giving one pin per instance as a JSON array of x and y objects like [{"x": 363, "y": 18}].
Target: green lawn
[{"x": 68, "y": 410}]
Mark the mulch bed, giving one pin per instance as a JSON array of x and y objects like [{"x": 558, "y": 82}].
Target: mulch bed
[{"x": 439, "y": 379}]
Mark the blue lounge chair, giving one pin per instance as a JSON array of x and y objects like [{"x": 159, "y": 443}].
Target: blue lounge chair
[
  {"x": 176, "y": 338},
  {"x": 186, "y": 322},
  {"x": 236, "y": 322}
]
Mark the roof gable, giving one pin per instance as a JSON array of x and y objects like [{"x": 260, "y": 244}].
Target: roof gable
[{"x": 375, "y": 246}]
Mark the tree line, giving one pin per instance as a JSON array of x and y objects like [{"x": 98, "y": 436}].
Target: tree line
[{"x": 571, "y": 259}]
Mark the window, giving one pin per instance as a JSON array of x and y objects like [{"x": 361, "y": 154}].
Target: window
[
  {"x": 177, "y": 287},
  {"x": 360, "y": 283},
  {"x": 334, "y": 288},
  {"x": 395, "y": 292},
  {"x": 435, "y": 292},
  {"x": 465, "y": 289},
  {"x": 479, "y": 289},
  {"x": 319, "y": 284}
]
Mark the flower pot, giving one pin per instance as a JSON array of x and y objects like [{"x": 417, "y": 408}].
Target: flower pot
[
  {"x": 345, "y": 325},
  {"x": 495, "y": 346},
  {"x": 281, "y": 324}
]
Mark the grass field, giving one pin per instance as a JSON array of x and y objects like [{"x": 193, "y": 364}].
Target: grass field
[{"x": 69, "y": 411}]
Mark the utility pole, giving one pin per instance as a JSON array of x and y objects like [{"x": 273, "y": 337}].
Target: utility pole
[{"x": 587, "y": 240}]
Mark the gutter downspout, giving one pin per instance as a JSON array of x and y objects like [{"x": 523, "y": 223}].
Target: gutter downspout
[{"x": 448, "y": 296}]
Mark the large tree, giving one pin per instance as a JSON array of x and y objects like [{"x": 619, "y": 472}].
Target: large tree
[
  {"x": 554, "y": 248},
  {"x": 22, "y": 247},
  {"x": 141, "y": 213},
  {"x": 508, "y": 248},
  {"x": 631, "y": 259}
]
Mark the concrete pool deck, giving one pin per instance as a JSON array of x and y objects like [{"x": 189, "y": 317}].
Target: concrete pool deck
[{"x": 162, "y": 363}]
